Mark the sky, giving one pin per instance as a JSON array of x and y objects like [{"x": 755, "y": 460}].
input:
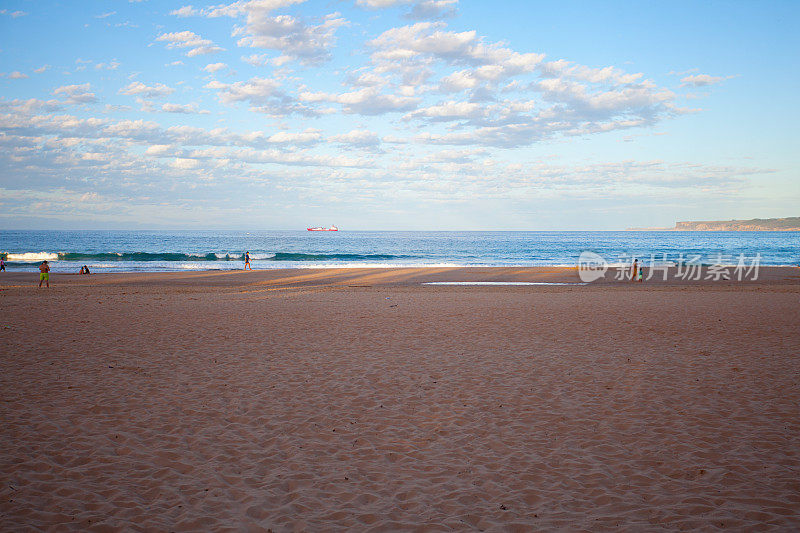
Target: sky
[{"x": 396, "y": 114}]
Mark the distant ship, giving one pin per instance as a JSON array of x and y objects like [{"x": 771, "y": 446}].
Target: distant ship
[{"x": 320, "y": 228}]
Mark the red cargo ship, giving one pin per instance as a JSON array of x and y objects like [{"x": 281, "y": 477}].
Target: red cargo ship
[{"x": 319, "y": 228}]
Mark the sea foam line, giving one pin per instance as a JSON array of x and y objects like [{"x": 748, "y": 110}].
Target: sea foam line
[{"x": 31, "y": 256}]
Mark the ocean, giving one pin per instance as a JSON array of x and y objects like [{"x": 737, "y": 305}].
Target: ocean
[{"x": 130, "y": 251}]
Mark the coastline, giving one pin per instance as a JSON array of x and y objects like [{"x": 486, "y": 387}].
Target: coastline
[
  {"x": 303, "y": 399},
  {"x": 387, "y": 275},
  {"x": 718, "y": 230}
]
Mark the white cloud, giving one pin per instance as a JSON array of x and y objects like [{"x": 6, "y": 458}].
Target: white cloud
[
  {"x": 433, "y": 9},
  {"x": 185, "y": 11},
  {"x": 185, "y": 164},
  {"x": 499, "y": 136},
  {"x": 567, "y": 70},
  {"x": 562, "y": 98},
  {"x": 133, "y": 129},
  {"x": 187, "y": 39},
  {"x": 410, "y": 50},
  {"x": 619, "y": 99},
  {"x": 363, "y": 139},
  {"x": 299, "y": 158},
  {"x": 457, "y": 156},
  {"x": 290, "y": 35},
  {"x": 111, "y": 65},
  {"x": 140, "y": 89},
  {"x": 309, "y": 136},
  {"x": 191, "y": 108},
  {"x": 423, "y": 38},
  {"x": 702, "y": 80},
  {"x": 159, "y": 150},
  {"x": 111, "y": 108},
  {"x": 258, "y": 91},
  {"x": 12, "y": 14},
  {"x": 367, "y": 79},
  {"x": 215, "y": 67},
  {"x": 31, "y": 105},
  {"x": 449, "y": 111},
  {"x": 421, "y": 9},
  {"x": 191, "y": 158},
  {"x": 256, "y": 60},
  {"x": 262, "y": 60},
  {"x": 380, "y": 4},
  {"x": 263, "y": 95},
  {"x": 76, "y": 94},
  {"x": 24, "y": 123},
  {"x": 458, "y": 81},
  {"x": 367, "y": 101},
  {"x": 253, "y": 8},
  {"x": 16, "y": 75}
]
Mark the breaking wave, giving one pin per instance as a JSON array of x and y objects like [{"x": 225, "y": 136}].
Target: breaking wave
[{"x": 29, "y": 257}]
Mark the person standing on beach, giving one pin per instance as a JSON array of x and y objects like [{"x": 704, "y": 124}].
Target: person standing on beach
[
  {"x": 44, "y": 274},
  {"x": 247, "y": 261},
  {"x": 2, "y": 264},
  {"x": 635, "y": 269}
]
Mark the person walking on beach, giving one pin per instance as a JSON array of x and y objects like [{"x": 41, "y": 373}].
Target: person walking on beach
[
  {"x": 44, "y": 274},
  {"x": 635, "y": 269},
  {"x": 247, "y": 261},
  {"x": 2, "y": 264}
]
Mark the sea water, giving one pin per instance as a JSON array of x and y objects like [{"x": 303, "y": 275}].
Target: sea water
[{"x": 126, "y": 251}]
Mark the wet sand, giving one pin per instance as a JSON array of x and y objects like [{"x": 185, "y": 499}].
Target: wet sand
[{"x": 362, "y": 399}]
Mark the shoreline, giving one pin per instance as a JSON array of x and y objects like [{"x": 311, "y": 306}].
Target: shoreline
[{"x": 409, "y": 276}]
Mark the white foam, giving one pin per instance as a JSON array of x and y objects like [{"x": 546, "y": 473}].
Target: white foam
[
  {"x": 32, "y": 256},
  {"x": 499, "y": 283}
]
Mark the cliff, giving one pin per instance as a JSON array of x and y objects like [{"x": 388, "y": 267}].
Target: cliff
[{"x": 756, "y": 224}]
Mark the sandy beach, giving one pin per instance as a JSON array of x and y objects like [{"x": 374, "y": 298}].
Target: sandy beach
[{"x": 363, "y": 399}]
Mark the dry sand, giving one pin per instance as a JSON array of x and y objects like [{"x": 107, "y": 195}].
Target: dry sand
[{"x": 322, "y": 400}]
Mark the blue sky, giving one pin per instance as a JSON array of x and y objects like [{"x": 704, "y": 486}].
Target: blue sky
[{"x": 396, "y": 114}]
